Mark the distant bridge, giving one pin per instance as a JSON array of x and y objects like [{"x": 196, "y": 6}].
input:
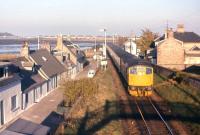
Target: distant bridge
[{"x": 52, "y": 39}]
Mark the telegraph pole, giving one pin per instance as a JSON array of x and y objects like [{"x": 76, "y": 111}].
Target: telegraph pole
[{"x": 38, "y": 42}]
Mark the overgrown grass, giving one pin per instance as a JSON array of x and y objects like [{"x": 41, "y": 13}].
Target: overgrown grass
[
  {"x": 74, "y": 89},
  {"x": 184, "y": 102},
  {"x": 93, "y": 115}
]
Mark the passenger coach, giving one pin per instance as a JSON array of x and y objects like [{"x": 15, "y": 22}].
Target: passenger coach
[{"x": 138, "y": 73}]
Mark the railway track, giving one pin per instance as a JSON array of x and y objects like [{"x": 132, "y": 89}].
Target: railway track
[
  {"x": 147, "y": 119},
  {"x": 152, "y": 118}
]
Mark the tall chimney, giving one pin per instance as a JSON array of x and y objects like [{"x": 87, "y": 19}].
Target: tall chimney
[
  {"x": 25, "y": 50},
  {"x": 166, "y": 33},
  {"x": 59, "y": 43},
  {"x": 180, "y": 28},
  {"x": 170, "y": 33},
  {"x": 46, "y": 45}
]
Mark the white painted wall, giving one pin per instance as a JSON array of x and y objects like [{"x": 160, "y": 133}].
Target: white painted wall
[
  {"x": 6, "y": 93},
  {"x": 131, "y": 47},
  {"x": 32, "y": 98}
]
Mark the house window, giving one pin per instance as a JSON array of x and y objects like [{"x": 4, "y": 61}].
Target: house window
[
  {"x": 40, "y": 90},
  {"x": 6, "y": 72},
  {"x": 26, "y": 98},
  {"x": 13, "y": 102},
  {"x": 1, "y": 72},
  {"x": 68, "y": 56},
  {"x": 1, "y": 112},
  {"x": 48, "y": 86}
]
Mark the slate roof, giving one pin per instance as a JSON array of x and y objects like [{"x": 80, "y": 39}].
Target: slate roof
[
  {"x": 187, "y": 37},
  {"x": 12, "y": 76},
  {"x": 47, "y": 62},
  {"x": 184, "y": 37},
  {"x": 7, "y": 132},
  {"x": 29, "y": 80},
  {"x": 9, "y": 79},
  {"x": 25, "y": 127},
  {"x": 66, "y": 42}
]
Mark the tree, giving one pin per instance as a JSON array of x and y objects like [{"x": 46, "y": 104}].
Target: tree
[
  {"x": 146, "y": 39},
  {"x": 122, "y": 40}
]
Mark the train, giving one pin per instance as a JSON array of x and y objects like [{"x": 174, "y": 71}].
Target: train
[{"x": 137, "y": 73}]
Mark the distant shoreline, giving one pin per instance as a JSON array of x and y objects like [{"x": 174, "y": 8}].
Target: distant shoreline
[
  {"x": 34, "y": 41},
  {"x": 21, "y": 41}
]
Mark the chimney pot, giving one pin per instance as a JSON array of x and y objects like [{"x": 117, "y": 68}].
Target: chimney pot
[
  {"x": 25, "y": 50},
  {"x": 180, "y": 28},
  {"x": 169, "y": 33}
]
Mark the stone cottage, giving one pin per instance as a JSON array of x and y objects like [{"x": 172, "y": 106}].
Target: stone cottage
[{"x": 179, "y": 49}]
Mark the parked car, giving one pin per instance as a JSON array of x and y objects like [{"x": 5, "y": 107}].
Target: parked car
[{"x": 91, "y": 73}]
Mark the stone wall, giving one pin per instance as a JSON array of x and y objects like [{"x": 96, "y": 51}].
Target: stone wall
[{"x": 170, "y": 54}]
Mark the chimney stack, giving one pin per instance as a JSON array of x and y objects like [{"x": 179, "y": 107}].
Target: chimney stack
[
  {"x": 169, "y": 33},
  {"x": 180, "y": 28},
  {"x": 25, "y": 50},
  {"x": 166, "y": 33},
  {"x": 46, "y": 45},
  {"x": 59, "y": 43}
]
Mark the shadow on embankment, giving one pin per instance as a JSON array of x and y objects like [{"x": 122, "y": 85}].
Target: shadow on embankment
[{"x": 96, "y": 120}]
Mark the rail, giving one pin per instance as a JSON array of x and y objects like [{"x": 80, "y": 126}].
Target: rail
[
  {"x": 167, "y": 126},
  {"x": 168, "y": 129},
  {"x": 145, "y": 123}
]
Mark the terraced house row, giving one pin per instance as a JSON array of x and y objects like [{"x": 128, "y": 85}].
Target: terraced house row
[{"x": 25, "y": 80}]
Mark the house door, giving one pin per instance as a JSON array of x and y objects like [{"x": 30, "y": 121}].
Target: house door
[
  {"x": 64, "y": 58},
  {"x": 2, "y": 112}
]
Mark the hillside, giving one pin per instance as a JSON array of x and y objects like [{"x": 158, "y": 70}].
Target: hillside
[{"x": 6, "y": 34}]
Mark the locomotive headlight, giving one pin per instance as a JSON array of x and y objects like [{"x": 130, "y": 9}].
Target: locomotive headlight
[{"x": 139, "y": 73}]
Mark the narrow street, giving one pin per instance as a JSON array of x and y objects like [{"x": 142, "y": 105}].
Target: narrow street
[
  {"x": 41, "y": 110},
  {"x": 83, "y": 74}
]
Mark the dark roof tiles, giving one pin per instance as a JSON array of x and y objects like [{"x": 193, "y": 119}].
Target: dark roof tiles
[
  {"x": 187, "y": 37},
  {"x": 47, "y": 62},
  {"x": 184, "y": 37},
  {"x": 29, "y": 80},
  {"x": 10, "y": 79}
]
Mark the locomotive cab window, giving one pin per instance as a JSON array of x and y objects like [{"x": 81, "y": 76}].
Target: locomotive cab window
[
  {"x": 133, "y": 71},
  {"x": 148, "y": 71}
]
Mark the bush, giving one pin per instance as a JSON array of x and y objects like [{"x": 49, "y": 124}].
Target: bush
[{"x": 74, "y": 89}]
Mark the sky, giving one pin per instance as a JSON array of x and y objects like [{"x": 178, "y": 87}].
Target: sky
[{"x": 86, "y": 17}]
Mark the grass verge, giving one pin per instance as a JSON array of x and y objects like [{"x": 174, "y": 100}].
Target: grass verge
[
  {"x": 183, "y": 100},
  {"x": 94, "y": 115}
]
